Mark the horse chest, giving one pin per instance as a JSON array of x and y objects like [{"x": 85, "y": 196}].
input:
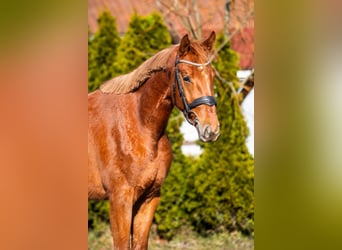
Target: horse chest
[
  {"x": 150, "y": 180},
  {"x": 149, "y": 174},
  {"x": 146, "y": 173}
]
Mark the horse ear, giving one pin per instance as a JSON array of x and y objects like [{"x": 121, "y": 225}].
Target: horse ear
[
  {"x": 184, "y": 46},
  {"x": 208, "y": 44}
]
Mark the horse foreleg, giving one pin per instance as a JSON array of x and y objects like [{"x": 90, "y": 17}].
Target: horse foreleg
[
  {"x": 121, "y": 205},
  {"x": 142, "y": 223}
]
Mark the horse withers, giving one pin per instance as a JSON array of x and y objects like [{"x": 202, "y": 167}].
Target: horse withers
[{"x": 129, "y": 154}]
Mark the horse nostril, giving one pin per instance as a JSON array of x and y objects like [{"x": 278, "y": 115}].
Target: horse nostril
[{"x": 207, "y": 132}]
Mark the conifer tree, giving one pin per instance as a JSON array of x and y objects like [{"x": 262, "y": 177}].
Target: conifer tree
[
  {"x": 102, "y": 51},
  {"x": 223, "y": 178},
  {"x": 145, "y": 37}
]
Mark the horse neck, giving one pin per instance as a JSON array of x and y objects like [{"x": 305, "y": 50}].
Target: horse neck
[{"x": 155, "y": 103}]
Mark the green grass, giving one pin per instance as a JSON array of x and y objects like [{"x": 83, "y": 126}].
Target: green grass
[{"x": 186, "y": 239}]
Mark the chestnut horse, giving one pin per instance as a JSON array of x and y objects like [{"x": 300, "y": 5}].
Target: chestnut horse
[{"x": 129, "y": 154}]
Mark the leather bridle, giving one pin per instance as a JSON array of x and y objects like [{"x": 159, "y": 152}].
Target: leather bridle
[{"x": 207, "y": 100}]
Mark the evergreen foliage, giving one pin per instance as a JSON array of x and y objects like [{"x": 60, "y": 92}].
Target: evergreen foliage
[
  {"x": 102, "y": 51},
  {"x": 223, "y": 179},
  {"x": 98, "y": 212},
  {"x": 145, "y": 37}
]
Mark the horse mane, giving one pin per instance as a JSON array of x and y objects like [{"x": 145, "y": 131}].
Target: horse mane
[{"x": 132, "y": 81}]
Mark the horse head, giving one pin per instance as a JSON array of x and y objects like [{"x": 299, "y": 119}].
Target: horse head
[{"x": 193, "y": 86}]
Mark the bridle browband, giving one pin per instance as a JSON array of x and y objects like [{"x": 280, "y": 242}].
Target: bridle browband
[{"x": 208, "y": 100}]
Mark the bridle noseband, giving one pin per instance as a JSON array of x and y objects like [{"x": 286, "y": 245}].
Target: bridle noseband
[{"x": 208, "y": 100}]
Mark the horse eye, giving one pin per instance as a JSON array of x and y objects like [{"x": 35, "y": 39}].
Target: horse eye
[{"x": 187, "y": 79}]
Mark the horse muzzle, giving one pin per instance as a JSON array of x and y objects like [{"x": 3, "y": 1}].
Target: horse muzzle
[{"x": 206, "y": 133}]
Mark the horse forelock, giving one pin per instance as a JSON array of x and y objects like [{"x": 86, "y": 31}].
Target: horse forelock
[
  {"x": 198, "y": 52},
  {"x": 132, "y": 81}
]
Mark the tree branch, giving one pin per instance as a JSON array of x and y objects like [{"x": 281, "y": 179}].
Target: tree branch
[
  {"x": 243, "y": 25},
  {"x": 247, "y": 86}
]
